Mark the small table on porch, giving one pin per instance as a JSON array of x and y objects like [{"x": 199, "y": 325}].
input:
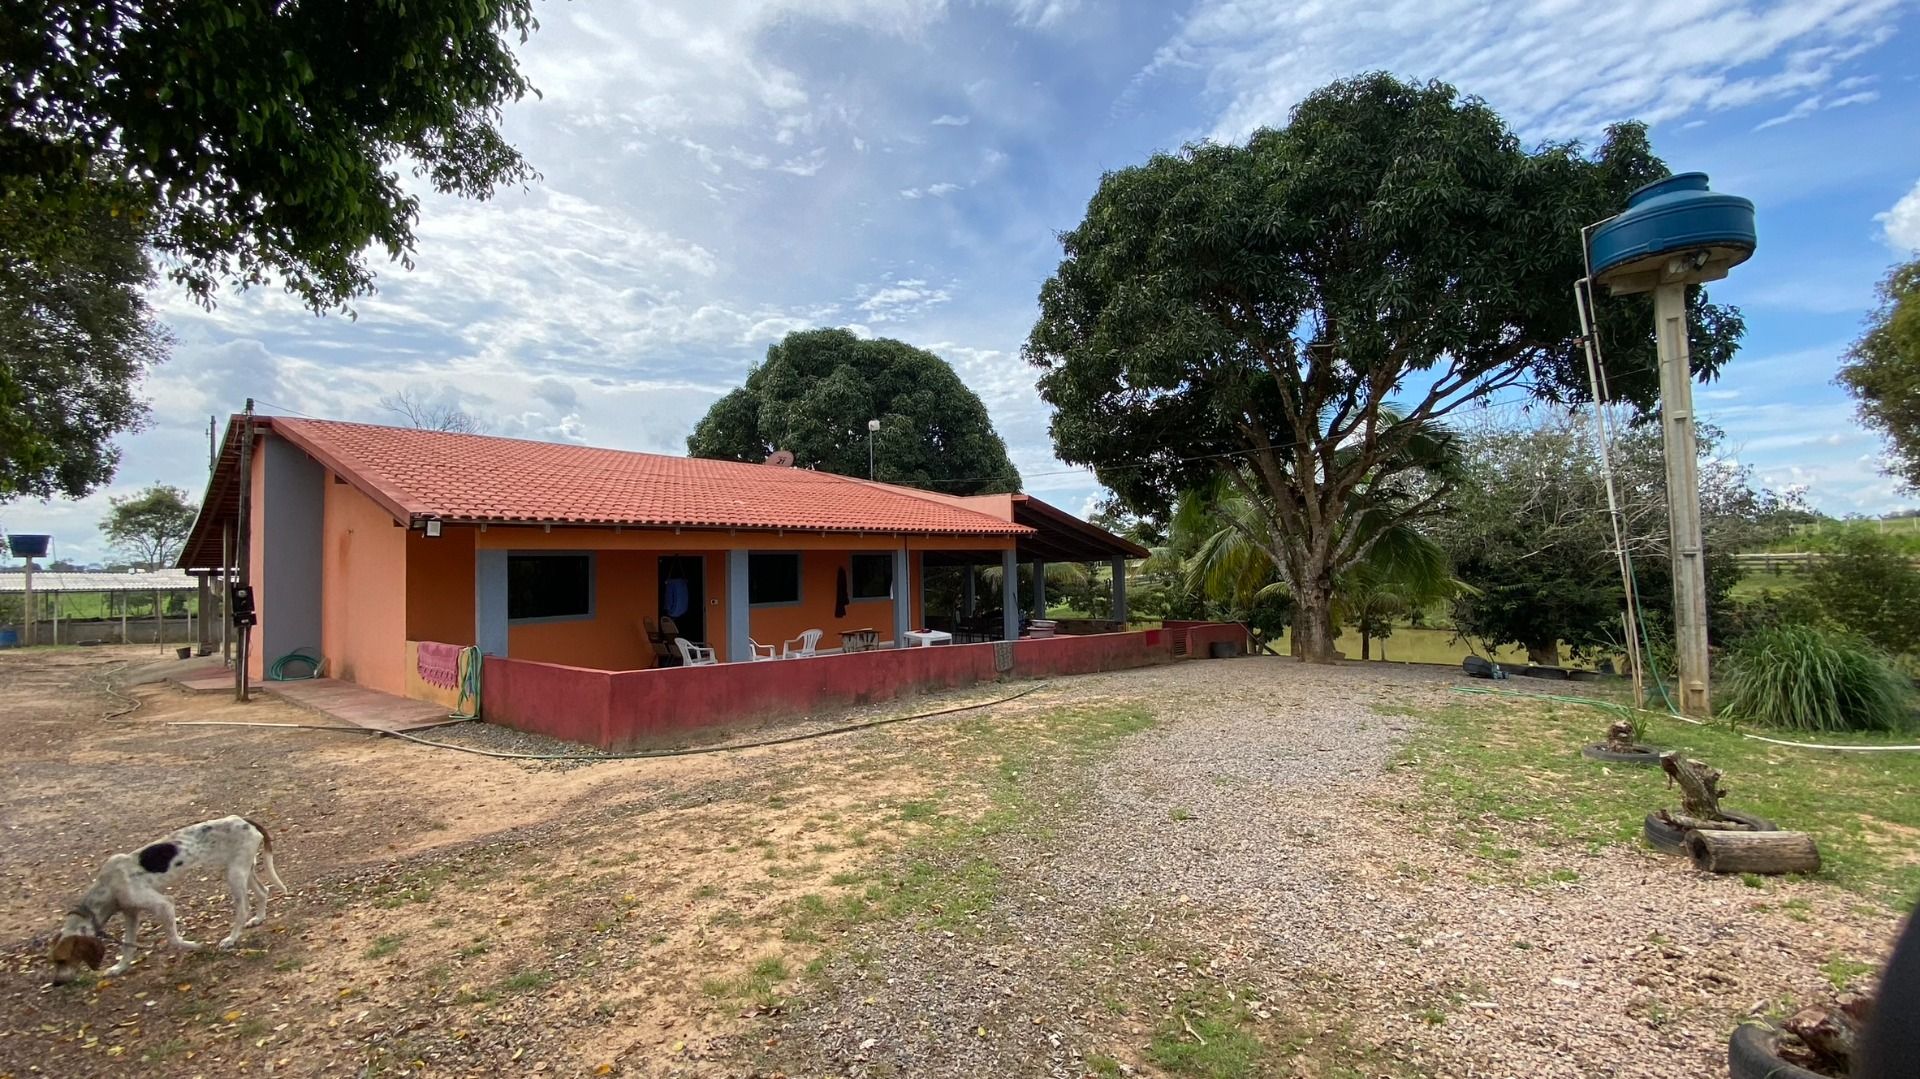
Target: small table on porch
[
  {"x": 926, "y": 638},
  {"x": 859, "y": 640}
]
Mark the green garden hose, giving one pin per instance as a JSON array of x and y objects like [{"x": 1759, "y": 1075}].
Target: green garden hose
[
  {"x": 468, "y": 704},
  {"x": 277, "y": 672}
]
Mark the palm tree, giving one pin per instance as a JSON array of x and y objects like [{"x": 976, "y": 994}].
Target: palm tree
[{"x": 1220, "y": 541}]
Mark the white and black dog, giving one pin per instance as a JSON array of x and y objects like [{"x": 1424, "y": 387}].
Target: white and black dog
[{"x": 135, "y": 885}]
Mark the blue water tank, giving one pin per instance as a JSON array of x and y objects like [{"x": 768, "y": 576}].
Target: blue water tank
[
  {"x": 20, "y": 546},
  {"x": 1674, "y": 216}
]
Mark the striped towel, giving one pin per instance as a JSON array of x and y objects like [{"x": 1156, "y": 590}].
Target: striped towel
[{"x": 439, "y": 664}]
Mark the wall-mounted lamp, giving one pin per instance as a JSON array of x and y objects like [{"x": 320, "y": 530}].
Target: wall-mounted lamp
[{"x": 433, "y": 528}]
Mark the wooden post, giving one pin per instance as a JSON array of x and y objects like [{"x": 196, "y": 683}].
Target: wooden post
[
  {"x": 1688, "y": 554},
  {"x": 1753, "y": 852},
  {"x": 243, "y": 546},
  {"x": 226, "y": 583},
  {"x": 26, "y": 610},
  {"x": 159, "y": 620},
  {"x": 53, "y": 603},
  {"x": 124, "y": 639}
]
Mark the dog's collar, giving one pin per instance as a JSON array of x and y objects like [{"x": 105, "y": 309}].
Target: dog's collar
[{"x": 93, "y": 920}]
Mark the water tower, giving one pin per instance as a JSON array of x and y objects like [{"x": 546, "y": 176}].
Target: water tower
[{"x": 1674, "y": 233}]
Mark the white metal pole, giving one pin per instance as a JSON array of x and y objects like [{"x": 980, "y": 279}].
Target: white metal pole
[
  {"x": 26, "y": 612},
  {"x": 1683, "y": 497}
]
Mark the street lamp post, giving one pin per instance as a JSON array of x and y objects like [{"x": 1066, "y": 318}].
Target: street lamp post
[{"x": 872, "y": 426}]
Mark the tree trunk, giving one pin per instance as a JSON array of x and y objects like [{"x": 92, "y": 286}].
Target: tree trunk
[
  {"x": 1544, "y": 655},
  {"x": 1753, "y": 852},
  {"x": 1313, "y": 623},
  {"x": 1366, "y": 646}
]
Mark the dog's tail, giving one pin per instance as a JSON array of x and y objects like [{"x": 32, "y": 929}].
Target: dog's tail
[{"x": 269, "y": 874}]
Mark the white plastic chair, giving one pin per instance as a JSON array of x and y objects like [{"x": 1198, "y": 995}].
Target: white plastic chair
[
  {"x": 802, "y": 646},
  {"x": 692, "y": 655},
  {"x": 761, "y": 651}
]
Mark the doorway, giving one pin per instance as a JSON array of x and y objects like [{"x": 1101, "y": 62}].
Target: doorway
[{"x": 683, "y": 594}]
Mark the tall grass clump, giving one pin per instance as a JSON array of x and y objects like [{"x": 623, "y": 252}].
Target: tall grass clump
[{"x": 1812, "y": 679}]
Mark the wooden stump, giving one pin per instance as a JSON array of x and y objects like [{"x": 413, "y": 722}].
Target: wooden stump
[
  {"x": 1699, "y": 784},
  {"x": 1753, "y": 852}
]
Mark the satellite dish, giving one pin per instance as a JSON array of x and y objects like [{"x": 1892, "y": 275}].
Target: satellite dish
[{"x": 780, "y": 458}]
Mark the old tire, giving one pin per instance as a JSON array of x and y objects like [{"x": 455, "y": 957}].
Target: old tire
[
  {"x": 1750, "y": 1055},
  {"x": 1665, "y": 837},
  {"x": 1598, "y": 751}
]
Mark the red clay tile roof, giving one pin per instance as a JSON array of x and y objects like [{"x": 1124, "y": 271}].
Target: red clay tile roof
[{"x": 480, "y": 478}]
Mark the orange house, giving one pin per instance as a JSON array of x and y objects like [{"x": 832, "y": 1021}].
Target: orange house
[{"x": 363, "y": 541}]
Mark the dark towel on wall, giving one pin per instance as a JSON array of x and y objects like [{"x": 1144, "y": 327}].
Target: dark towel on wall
[{"x": 840, "y": 593}]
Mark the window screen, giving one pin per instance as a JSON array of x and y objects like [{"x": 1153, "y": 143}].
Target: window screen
[
  {"x": 549, "y": 586},
  {"x": 872, "y": 576},
  {"x": 773, "y": 578}
]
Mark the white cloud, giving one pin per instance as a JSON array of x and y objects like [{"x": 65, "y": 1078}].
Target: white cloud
[
  {"x": 1817, "y": 103},
  {"x": 932, "y": 191},
  {"x": 902, "y": 299},
  {"x": 1901, "y": 224},
  {"x": 950, "y": 120},
  {"x": 1554, "y": 69}
]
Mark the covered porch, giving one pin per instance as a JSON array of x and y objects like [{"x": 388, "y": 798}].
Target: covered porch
[{"x": 985, "y": 595}]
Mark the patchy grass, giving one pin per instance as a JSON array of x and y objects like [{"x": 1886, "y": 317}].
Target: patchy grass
[
  {"x": 1493, "y": 767},
  {"x": 384, "y": 946},
  {"x": 1208, "y": 1036}
]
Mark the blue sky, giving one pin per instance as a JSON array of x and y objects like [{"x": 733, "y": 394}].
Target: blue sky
[{"x": 716, "y": 174}]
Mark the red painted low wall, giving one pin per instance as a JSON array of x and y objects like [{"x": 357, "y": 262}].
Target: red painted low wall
[{"x": 625, "y": 709}]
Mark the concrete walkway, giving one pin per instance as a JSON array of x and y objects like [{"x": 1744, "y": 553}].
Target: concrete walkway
[
  {"x": 354, "y": 705},
  {"x": 361, "y": 706}
]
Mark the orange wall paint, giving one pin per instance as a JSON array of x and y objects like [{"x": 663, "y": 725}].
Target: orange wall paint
[
  {"x": 440, "y": 587},
  {"x": 626, "y": 586},
  {"x": 363, "y": 592},
  {"x": 819, "y": 571}
]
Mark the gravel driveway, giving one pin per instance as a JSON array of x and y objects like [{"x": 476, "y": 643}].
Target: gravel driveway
[{"x": 1257, "y": 842}]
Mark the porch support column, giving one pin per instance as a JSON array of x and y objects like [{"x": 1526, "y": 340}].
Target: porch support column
[
  {"x": 1009, "y": 595},
  {"x": 919, "y": 586},
  {"x": 1039, "y": 589},
  {"x": 206, "y": 608},
  {"x": 966, "y": 591},
  {"x": 737, "y": 648},
  {"x": 1120, "y": 591},
  {"x": 902, "y": 596},
  {"x": 490, "y": 601}
]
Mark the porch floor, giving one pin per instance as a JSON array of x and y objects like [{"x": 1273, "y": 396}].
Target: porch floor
[{"x": 360, "y": 706}]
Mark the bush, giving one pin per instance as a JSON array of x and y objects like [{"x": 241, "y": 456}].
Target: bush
[
  {"x": 1811, "y": 679},
  {"x": 1870, "y": 587}
]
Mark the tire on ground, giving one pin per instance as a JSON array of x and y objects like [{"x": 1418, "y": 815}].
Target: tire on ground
[{"x": 1665, "y": 837}]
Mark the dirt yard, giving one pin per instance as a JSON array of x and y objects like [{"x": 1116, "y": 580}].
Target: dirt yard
[{"x": 1212, "y": 869}]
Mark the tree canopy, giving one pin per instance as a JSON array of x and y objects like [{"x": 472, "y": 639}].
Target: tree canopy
[
  {"x": 1882, "y": 370},
  {"x": 259, "y": 141},
  {"x": 76, "y": 334},
  {"x": 1295, "y": 311},
  {"x": 818, "y": 388},
  {"x": 1531, "y": 536},
  {"x": 151, "y": 525}
]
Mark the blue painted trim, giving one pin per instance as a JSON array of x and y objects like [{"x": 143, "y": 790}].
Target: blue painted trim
[
  {"x": 490, "y": 601},
  {"x": 902, "y": 608},
  {"x": 737, "y": 609}
]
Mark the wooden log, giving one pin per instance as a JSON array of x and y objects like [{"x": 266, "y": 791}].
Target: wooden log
[{"x": 1753, "y": 852}]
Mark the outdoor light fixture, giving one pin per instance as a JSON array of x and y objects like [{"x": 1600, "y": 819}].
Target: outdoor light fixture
[
  {"x": 433, "y": 528},
  {"x": 872, "y": 426}
]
